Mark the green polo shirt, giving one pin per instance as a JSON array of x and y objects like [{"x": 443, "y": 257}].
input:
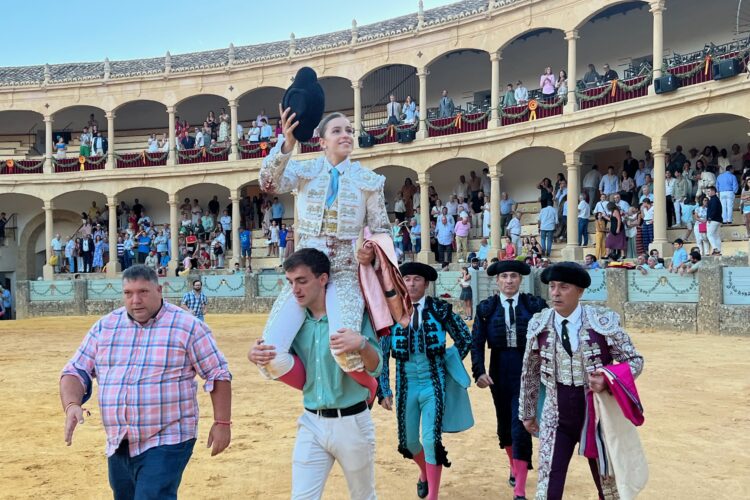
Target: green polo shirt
[{"x": 327, "y": 386}]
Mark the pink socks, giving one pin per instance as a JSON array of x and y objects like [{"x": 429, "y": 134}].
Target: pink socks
[
  {"x": 509, "y": 451},
  {"x": 296, "y": 376},
  {"x": 419, "y": 459},
  {"x": 522, "y": 471},
  {"x": 433, "y": 480}
]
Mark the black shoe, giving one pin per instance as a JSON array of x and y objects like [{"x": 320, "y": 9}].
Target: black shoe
[
  {"x": 422, "y": 489},
  {"x": 512, "y": 481},
  {"x": 518, "y": 497}
]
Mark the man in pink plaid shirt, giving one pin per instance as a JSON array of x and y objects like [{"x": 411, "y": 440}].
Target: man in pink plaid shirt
[{"x": 145, "y": 357}]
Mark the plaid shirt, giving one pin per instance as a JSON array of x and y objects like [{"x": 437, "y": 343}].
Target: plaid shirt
[
  {"x": 195, "y": 303},
  {"x": 146, "y": 375}
]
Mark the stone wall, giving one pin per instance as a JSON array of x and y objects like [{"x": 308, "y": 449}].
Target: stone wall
[{"x": 661, "y": 317}]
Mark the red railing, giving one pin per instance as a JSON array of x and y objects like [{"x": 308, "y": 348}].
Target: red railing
[
  {"x": 203, "y": 155},
  {"x": 456, "y": 125},
  {"x": 699, "y": 71},
  {"x": 605, "y": 94},
  {"x": 311, "y": 146},
  {"x": 10, "y": 167},
  {"x": 73, "y": 165},
  {"x": 385, "y": 134},
  {"x": 521, "y": 113},
  {"x": 254, "y": 150},
  {"x": 134, "y": 160}
]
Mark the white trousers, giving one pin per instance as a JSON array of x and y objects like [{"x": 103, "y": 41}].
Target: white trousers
[
  {"x": 322, "y": 441},
  {"x": 727, "y": 206},
  {"x": 701, "y": 240},
  {"x": 714, "y": 237}
]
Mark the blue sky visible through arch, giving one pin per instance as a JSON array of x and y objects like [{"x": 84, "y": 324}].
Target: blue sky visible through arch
[{"x": 83, "y": 31}]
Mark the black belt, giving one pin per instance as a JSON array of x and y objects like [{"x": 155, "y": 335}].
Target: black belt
[{"x": 340, "y": 412}]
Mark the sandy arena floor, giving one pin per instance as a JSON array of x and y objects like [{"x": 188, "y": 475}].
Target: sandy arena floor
[{"x": 696, "y": 392}]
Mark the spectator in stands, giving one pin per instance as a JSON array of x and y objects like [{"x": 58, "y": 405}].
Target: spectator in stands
[
  {"x": 646, "y": 193},
  {"x": 461, "y": 190},
  {"x": 610, "y": 184},
  {"x": 225, "y": 222},
  {"x": 483, "y": 252},
  {"x": 546, "y": 224},
  {"x": 273, "y": 239},
  {"x": 461, "y": 230},
  {"x": 152, "y": 260},
  {"x": 187, "y": 141},
  {"x": 714, "y": 216},
  {"x": 591, "y": 183},
  {"x": 68, "y": 253},
  {"x": 207, "y": 226},
  {"x": 561, "y": 198},
  {"x": 445, "y": 106},
  {"x": 218, "y": 246},
  {"x": 735, "y": 157},
  {"x": 399, "y": 207},
  {"x": 57, "y": 251},
  {"x": 6, "y": 299},
  {"x": 630, "y": 164},
  {"x": 283, "y": 232},
  {"x": 261, "y": 116},
  {"x": 241, "y": 132},
  {"x": 444, "y": 235},
  {"x": 163, "y": 144},
  {"x": 584, "y": 212},
  {"x": 127, "y": 246},
  {"x": 679, "y": 257},
  {"x": 652, "y": 263},
  {"x": 475, "y": 185},
  {"x": 621, "y": 204},
  {"x": 213, "y": 207},
  {"x": 195, "y": 212},
  {"x": 562, "y": 84},
  {"x": 393, "y": 111},
  {"x": 546, "y": 190},
  {"x": 161, "y": 242},
  {"x": 278, "y": 131},
  {"x": 640, "y": 175},
  {"x": 153, "y": 144},
  {"x": 723, "y": 159},
  {"x": 92, "y": 122},
  {"x": 97, "y": 145},
  {"x": 246, "y": 245},
  {"x": 509, "y": 98},
  {"x": 522, "y": 95},
  {"x": 609, "y": 74},
  {"x": 700, "y": 225},
  {"x": 85, "y": 143},
  {"x": 680, "y": 191},
  {"x": 277, "y": 211},
  {"x": 507, "y": 207},
  {"x": 486, "y": 220},
  {"x": 408, "y": 192},
  {"x": 409, "y": 110},
  {"x": 144, "y": 246},
  {"x": 87, "y": 252},
  {"x": 693, "y": 265},
  {"x": 510, "y": 249},
  {"x": 514, "y": 229},
  {"x": 213, "y": 124},
  {"x": 616, "y": 241},
  {"x": 745, "y": 204},
  {"x": 632, "y": 218},
  {"x": 627, "y": 187},
  {"x": 547, "y": 83},
  {"x": 60, "y": 148},
  {"x": 668, "y": 190},
  {"x": 591, "y": 78},
  {"x": 200, "y": 140},
  {"x": 224, "y": 133},
  {"x": 727, "y": 186},
  {"x": 253, "y": 135},
  {"x": 266, "y": 131},
  {"x": 463, "y": 207},
  {"x": 647, "y": 228}
]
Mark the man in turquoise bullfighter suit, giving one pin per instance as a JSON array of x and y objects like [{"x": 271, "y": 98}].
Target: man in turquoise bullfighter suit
[{"x": 431, "y": 381}]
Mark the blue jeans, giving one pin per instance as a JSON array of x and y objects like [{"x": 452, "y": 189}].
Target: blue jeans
[
  {"x": 547, "y": 242},
  {"x": 583, "y": 232},
  {"x": 154, "y": 474}
]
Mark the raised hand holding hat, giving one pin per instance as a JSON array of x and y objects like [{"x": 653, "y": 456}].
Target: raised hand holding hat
[{"x": 306, "y": 100}]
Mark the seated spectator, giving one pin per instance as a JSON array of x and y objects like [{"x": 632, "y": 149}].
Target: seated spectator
[
  {"x": 609, "y": 74},
  {"x": 590, "y": 262},
  {"x": 509, "y": 98},
  {"x": 510, "y": 249},
  {"x": 152, "y": 260},
  {"x": 522, "y": 95},
  {"x": 693, "y": 265},
  {"x": 679, "y": 257},
  {"x": 652, "y": 263},
  {"x": 591, "y": 78},
  {"x": 483, "y": 252}
]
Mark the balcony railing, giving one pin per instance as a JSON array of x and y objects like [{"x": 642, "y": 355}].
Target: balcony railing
[
  {"x": 389, "y": 133},
  {"x": 614, "y": 91},
  {"x": 202, "y": 155},
  {"x": 142, "y": 159},
  {"x": 255, "y": 150},
  {"x": 80, "y": 164},
  {"x": 311, "y": 146},
  {"x": 535, "y": 109},
  {"x": 458, "y": 124},
  {"x": 22, "y": 167}
]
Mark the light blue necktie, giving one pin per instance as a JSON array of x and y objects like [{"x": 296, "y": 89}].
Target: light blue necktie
[{"x": 333, "y": 187}]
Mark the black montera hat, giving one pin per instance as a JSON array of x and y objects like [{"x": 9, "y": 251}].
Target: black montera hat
[
  {"x": 306, "y": 98},
  {"x": 504, "y": 266},
  {"x": 567, "y": 272},
  {"x": 427, "y": 272}
]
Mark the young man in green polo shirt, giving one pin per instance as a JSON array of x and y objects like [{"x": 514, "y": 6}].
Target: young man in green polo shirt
[{"x": 336, "y": 424}]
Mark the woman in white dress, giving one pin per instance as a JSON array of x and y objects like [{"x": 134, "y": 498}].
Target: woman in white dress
[{"x": 486, "y": 217}]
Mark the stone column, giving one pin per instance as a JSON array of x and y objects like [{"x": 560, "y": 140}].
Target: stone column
[
  {"x": 495, "y": 59},
  {"x": 172, "y": 158},
  {"x": 174, "y": 250},
  {"x": 424, "y": 217},
  {"x": 617, "y": 291},
  {"x": 659, "y": 150},
  {"x": 571, "y": 36},
  {"x": 48, "y": 144},
  {"x": 111, "y": 159},
  {"x": 422, "y": 74},
  {"x": 234, "y": 197},
  {"x": 657, "y": 9},
  {"x": 357, "y": 87},
  {"x": 113, "y": 266},
  {"x": 495, "y": 244},
  {"x": 48, "y": 271},
  {"x": 234, "y": 152},
  {"x": 572, "y": 251}
]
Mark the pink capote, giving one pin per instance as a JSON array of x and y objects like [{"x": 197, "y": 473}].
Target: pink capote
[
  {"x": 376, "y": 280},
  {"x": 622, "y": 386}
]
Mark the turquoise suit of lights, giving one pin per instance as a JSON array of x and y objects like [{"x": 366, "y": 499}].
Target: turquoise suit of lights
[{"x": 431, "y": 381}]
